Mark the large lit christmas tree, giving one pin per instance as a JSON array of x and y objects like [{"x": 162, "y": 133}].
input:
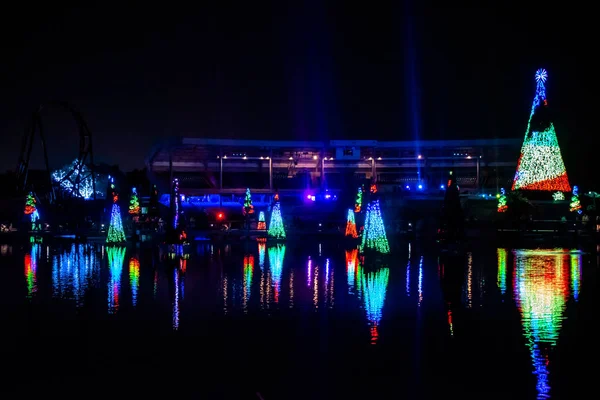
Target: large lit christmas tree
[
  {"x": 374, "y": 236},
  {"x": 134, "y": 203},
  {"x": 351, "y": 225},
  {"x": 540, "y": 166},
  {"x": 116, "y": 234},
  {"x": 276, "y": 228}
]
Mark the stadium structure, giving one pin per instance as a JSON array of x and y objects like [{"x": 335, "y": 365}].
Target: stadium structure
[{"x": 211, "y": 170}]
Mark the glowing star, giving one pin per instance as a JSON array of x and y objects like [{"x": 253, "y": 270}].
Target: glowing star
[
  {"x": 558, "y": 196},
  {"x": 540, "y": 166},
  {"x": 541, "y": 75}
]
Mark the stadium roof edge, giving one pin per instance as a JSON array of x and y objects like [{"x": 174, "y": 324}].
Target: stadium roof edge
[{"x": 175, "y": 142}]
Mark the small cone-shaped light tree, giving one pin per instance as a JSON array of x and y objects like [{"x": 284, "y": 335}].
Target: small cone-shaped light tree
[
  {"x": 276, "y": 228},
  {"x": 134, "y": 203},
  {"x": 262, "y": 224},
  {"x": 575, "y": 205},
  {"x": 351, "y": 225},
  {"x": 31, "y": 209},
  {"x": 116, "y": 234},
  {"x": 540, "y": 166},
  {"x": 358, "y": 201},
  {"x": 502, "y": 207},
  {"x": 248, "y": 207},
  {"x": 374, "y": 236}
]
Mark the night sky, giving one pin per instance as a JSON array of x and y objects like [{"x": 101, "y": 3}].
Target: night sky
[{"x": 314, "y": 71}]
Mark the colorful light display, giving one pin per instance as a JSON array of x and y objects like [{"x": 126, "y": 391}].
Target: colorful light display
[
  {"x": 276, "y": 228},
  {"x": 502, "y": 207},
  {"x": 73, "y": 271},
  {"x": 262, "y": 251},
  {"x": 31, "y": 260},
  {"x": 31, "y": 209},
  {"x": 116, "y": 257},
  {"x": 134, "y": 279},
  {"x": 115, "y": 234},
  {"x": 30, "y": 204},
  {"x": 501, "y": 280},
  {"x": 558, "y": 196},
  {"x": 351, "y": 225},
  {"x": 374, "y": 236},
  {"x": 541, "y": 289},
  {"x": 575, "y": 205},
  {"x": 248, "y": 207},
  {"x": 73, "y": 172},
  {"x": 276, "y": 255},
  {"x": 358, "y": 201},
  {"x": 179, "y": 283},
  {"x": 540, "y": 166},
  {"x": 352, "y": 263},
  {"x": 248, "y": 272},
  {"x": 134, "y": 203},
  {"x": 374, "y": 288},
  {"x": 262, "y": 225},
  {"x": 176, "y": 202}
]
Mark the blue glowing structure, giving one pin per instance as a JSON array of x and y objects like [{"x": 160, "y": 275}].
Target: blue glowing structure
[
  {"x": 374, "y": 289},
  {"x": 73, "y": 271},
  {"x": 176, "y": 202},
  {"x": 276, "y": 255},
  {"x": 116, "y": 257}
]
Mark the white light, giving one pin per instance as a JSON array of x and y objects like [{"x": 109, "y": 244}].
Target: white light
[
  {"x": 245, "y": 158},
  {"x": 291, "y": 158},
  {"x": 315, "y": 157},
  {"x": 379, "y": 158},
  {"x": 420, "y": 186},
  {"x": 419, "y": 156}
]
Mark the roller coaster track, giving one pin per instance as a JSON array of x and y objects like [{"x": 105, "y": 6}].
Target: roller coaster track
[{"x": 85, "y": 157}]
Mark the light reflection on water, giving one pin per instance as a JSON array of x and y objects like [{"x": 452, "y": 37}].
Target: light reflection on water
[
  {"x": 116, "y": 257},
  {"x": 543, "y": 280},
  {"x": 272, "y": 279},
  {"x": 73, "y": 271},
  {"x": 31, "y": 263}
]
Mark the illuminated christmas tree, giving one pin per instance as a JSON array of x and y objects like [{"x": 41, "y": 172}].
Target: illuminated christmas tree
[
  {"x": 540, "y": 166},
  {"x": 116, "y": 234},
  {"x": 276, "y": 228},
  {"x": 134, "y": 203},
  {"x": 374, "y": 236},
  {"x": 575, "y": 203},
  {"x": 248, "y": 207},
  {"x": 262, "y": 225},
  {"x": 31, "y": 209},
  {"x": 502, "y": 207},
  {"x": 358, "y": 201},
  {"x": 351, "y": 225}
]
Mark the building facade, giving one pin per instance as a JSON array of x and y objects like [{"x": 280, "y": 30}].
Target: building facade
[{"x": 217, "y": 166}]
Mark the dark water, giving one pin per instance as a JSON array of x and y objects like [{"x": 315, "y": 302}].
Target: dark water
[{"x": 302, "y": 320}]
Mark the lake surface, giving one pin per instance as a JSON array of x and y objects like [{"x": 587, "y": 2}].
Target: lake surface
[{"x": 305, "y": 320}]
